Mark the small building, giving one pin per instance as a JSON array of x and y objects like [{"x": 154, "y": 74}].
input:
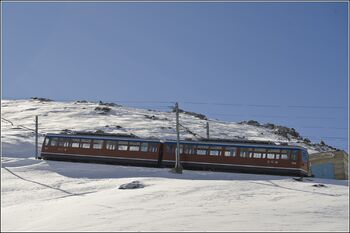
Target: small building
[{"x": 330, "y": 165}]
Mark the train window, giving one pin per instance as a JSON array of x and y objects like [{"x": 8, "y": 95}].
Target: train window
[
  {"x": 189, "y": 150},
  {"x": 305, "y": 156},
  {"x": 60, "y": 142},
  {"x": 97, "y": 144},
  {"x": 215, "y": 150},
  {"x": 111, "y": 145},
  {"x": 244, "y": 153},
  {"x": 294, "y": 155},
  {"x": 181, "y": 149},
  {"x": 257, "y": 155},
  {"x": 153, "y": 147},
  {"x": 47, "y": 140},
  {"x": 277, "y": 156},
  {"x": 122, "y": 145},
  {"x": 75, "y": 142},
  {"x": 170, "y": 149},
  {"x": 270, "y": 156},
  {"x": 202, "y": 150},
  {"x": 85, "y": 143},
  {"x": 230, "y": 151},
  {"x": 284, "y": 156},
  {"x": 284, "y": 151},
  {"x": 63, "y": 142},
  {"x": 134, "y": 146},
  {"x": 53, "y": 141},
  {"x": 144, "y": 146}
]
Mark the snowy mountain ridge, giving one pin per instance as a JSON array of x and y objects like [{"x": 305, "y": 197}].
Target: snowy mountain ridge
[{"x": 55, "y": 117}]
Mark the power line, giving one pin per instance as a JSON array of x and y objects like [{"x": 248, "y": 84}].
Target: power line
[
  {"x": 274, "y": 116},
  {"x": 264, "y": 105}
]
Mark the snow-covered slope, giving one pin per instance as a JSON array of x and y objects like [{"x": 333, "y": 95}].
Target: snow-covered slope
[
  {"x": 62, "y": 196},
  {"x": 39, "y": 195},
  {"x": 18, "y": 116}
]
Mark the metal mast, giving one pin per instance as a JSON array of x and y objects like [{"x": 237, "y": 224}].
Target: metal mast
[
  {"x": 36, "y": 137},
  {"x": 178, "y": 167}
]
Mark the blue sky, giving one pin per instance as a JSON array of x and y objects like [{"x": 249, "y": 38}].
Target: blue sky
[{"x": 285, "y": 63}]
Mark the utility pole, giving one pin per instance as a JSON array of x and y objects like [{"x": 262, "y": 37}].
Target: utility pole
[
  {"x": 207, "y": 130},
  {"x": 36, "y": 137},
  {"x": 178, "y": 167}
]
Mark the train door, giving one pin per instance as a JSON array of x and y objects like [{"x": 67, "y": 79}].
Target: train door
[
  {"x": 305, "y": 161},
  {"x": 160, "y": 155}
]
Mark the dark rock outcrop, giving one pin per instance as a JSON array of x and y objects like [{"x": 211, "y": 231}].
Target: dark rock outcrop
[
  {"x": 198, "y": 115},
  {"x": 102, "y": 110},
  {"x": 41, "y": 99},
  {"x": 110, "y": 104}
]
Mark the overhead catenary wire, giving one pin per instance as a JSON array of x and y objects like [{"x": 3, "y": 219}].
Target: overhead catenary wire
[
  {"x": 264, "y": 105},
  {"x": 21, "y": 126}
]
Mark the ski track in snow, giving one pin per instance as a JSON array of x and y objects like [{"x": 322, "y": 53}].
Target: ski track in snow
[{"x": 61, "y": 196}]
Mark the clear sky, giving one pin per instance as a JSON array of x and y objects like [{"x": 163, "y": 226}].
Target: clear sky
[{"x": 285, "y": 63}]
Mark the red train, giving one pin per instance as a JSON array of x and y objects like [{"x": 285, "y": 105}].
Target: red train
[{"x": 229, "y": 156}]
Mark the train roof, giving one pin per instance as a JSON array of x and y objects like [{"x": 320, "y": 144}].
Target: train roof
[{"x": 212, "y": 142}]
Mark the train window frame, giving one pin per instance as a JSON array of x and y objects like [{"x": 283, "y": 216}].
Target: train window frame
[
  {"x": 170, "y": 149},
  {"x": 63, "y": 142},
  {"x": 294, "y": 155},
  {"x": 47, "y": 142},
  {"x": 202, "y": 150},
  {"x": 153, "y": 147},
  {"x": 85, "y": 143},
  {"x": 257, "y": 155},
  {"x": 122, "y": 145},
  {"x": 60, "y": 142},
  {"x": 144, "y": 146},
  {"x": 75, "y": 142},
  {"x": 134, "y": 146},
  {"x": 53, "y": 139},
  {"x": 215, "y": 150},
  {"x": 111, "y": 145},
  {"x": 97, "y": 144},
  {"x": 181, "y": 149},
  {"x": 244, "y": 152},
  {"x": 230, "y": 151},
  {"x": 304, "y": 156},
  {"x": 189, "y": 149}
]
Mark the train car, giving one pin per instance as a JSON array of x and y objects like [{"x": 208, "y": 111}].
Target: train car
[
  {"x": 102, "y": 149},
  {"x": 229, "y": 156},
  {"x": 239, "y": 157}
]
